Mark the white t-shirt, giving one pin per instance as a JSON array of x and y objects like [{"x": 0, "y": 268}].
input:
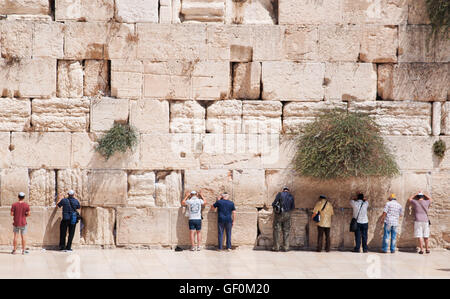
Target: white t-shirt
[
  {"x": 356, "y": 205},
  {"x": 195, "y": 208}
]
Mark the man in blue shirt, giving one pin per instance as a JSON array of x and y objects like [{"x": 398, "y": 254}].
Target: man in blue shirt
[
  {"x": 69, "y": 205},
  {"x": 282, "y": 218},
  {"x": 225, "y": 218}
]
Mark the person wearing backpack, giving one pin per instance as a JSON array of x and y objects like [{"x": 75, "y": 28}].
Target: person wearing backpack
[
  {"x": 322, "y": 213},
  {"x": 421, "y": 204},
  {"x": 282, "y": 209},
  {"x": 360, "y": 205},
  {"x": 69, "y": 220}
]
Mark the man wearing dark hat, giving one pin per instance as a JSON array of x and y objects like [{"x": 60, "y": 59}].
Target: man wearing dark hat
[
  {"x": 20, "y": 210},
  {"x": 69, "y": 205},
  {"x": 325, "y": 210},
  {"x": 282, "y": 209}
]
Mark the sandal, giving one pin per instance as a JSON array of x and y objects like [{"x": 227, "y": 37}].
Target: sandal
[
  {"x": 421, "y": 252},
  {"x": 427, "y": 251},
  {"x": 13, "y": 252}
]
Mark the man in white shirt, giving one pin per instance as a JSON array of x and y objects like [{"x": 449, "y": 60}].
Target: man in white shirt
[
  {"x": 194, "y": 205},
  {"x": 391, "y": 215},
  {"x": 360, "y": 205}
]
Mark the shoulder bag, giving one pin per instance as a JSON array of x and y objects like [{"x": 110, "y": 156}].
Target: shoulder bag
[
  {"x": 426, "y": 212},
  {"x": 353, "y": 222},
  {"x": 77, "y": 215},
  {"x": 317, "y": 217}
]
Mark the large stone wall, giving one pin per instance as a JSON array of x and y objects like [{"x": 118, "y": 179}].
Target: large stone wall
[{"x": 213, "y": 88}]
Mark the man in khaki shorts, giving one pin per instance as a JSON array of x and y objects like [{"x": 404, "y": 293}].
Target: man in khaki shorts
[
  {"x": 421, "y": 204},
  {"x": 20, "y": 211}
]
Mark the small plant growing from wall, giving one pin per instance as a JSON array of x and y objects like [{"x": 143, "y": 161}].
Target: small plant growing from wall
[
  {"x": 439, "y": 148},
  {"x": 341, "y": 144},
  {"x": 439, "y": 15},
  {"x": 119, "y": 138}
]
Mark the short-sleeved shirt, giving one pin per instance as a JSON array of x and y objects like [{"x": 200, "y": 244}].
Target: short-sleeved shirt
[
  {"x": 225, "y": 209},
  {"x": 67, "y": 209},
  {"x": 393, "y": 211},
  {"x": 421, "y": 209},
  {"x": 20, "y": 210},
  {"x": 325, "y": 214},
  {"x": 356, "y": 205},
  {"x": 195, "y": 208}
]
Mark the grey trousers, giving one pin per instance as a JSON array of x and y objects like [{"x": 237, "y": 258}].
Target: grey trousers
[{"x": 281, "y": 222}]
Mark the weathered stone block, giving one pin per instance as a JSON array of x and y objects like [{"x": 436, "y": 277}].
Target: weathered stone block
[
  {"x": 42, "y": 187},
  {"x": 415, "y": 45},
  {"x": 98, "y": 226},
  {"x": 16, "y": 39},
  {"x": 106, "y": 111},
  {"x": 14, "y": 114},
  {"x": 245, "y": 227},
  {"x": 141, "y": 190},
  {"x": 32, "y": 7},
  {"x": 96, "y": 77},
  {"x": 302, "y": 43},
  {"x": 426, "y": 82},
  {"x": 84, "y": 10},
  {"x": 249, "y": 187},
  {"x": 379, "y": 44},
  {"x": 261, "y": 117},
  {"x": 121, "y": 42},
  {"x": 339, "y": 42},
  {"x": 445, "y": 116},
  {"x": 203, "y": 11},
  {"x": 417, "y": 12},
  {"x": 5, "y": 153},
  {"x": 439, "y": 185},
  {"x": 224, "y": 117},
  {"x": 137, "y": 11},
  {"x": 398, "y": 118},
  {"x": 32, "y": 150},
  {"x": 169, "y": 189},
  {"x": 165, "y": 12},
  {"x": 415, "y": 153},
  {"x": 150, "y": 116},
  {"x": 246, "y": 80},
  {"x": 48, "y": 40},
  {"x": 211, "y": 182},
  {"x": 58, "y": 114},
  {"x": 187, "y": 117},
  {"x": 385, "y": 12},
  {"x": 233, "y": 43},
  {"x": 211, "y": 80},
  {"x": 351, "y": 82},
  {"x": 70, "y": 79},
  {"x": 107, "y": 188},
  {"x": 126, "y": 78},
  {"x": 290, "y": 81},
  {"x": 86, "y": 40},
  {"x": 13, "y": 181},
  {"x": 268, "y": 43},
  {"x": 73, "y": 179},
  {"x": 309, "y": 12},
  {"x": 251, "y": 12}
]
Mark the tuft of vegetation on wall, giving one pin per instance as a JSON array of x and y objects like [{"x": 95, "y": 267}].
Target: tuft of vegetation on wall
[
  {"x": 119, "y": 138},
  {"x": 439, "y": 148},
  {"x": 439, "y": 14}
]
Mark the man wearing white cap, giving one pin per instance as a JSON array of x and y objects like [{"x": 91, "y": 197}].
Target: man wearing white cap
[
  {"x": 70, "y": 206},
  {"x": 194, "y": 203},
  {"x": 20, "y": 211},
  {"x": 421, "y": 204}
]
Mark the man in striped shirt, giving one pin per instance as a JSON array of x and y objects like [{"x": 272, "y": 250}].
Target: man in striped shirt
[{"x": 392, "y": 212}]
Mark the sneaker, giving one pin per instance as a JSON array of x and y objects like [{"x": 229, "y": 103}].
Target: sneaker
[
  {"x": 228, "y": 249},
  {"x": 421, "y": 252},
  {"x": 68, "y": 250},
  {"x": 199, "y": 248},
  {"x": 275, "y": 249},
  {"x": 427, "y": 251},
  {"x": 193, "y": 249},
  {"x": 25, "y": 252},
  {"x": 13, "y": 252}
]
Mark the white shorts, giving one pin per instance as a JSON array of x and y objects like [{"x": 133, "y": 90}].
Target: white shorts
[{"x": 421, "y": 229}]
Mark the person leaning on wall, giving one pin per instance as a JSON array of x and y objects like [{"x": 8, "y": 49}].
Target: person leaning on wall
[
  {"x": 282, "y": 209},
  {"x": 225, "y": 218},
  {"x": 70, "y": 206},
  {"x": 360, "y": 205},
  {"x": 391, "y": 215},
  {"x": 194, "y": 202},
  {"x": 322, "y": 213},
  {"x": 421, "y": 203}
]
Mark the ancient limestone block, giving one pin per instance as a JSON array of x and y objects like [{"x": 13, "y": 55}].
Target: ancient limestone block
[
  {"x": 211, "y": 80},
  {"x": 87, "y": 40},
  {"x": 58, "y": 114},
  {"x": 385, "y": 12},
  {"x": 163, "y": 42},
  {"x": 70, "y": 79},
  {"x": 106, "y": 111},
  {"x": 351, "y": 81},
  {"x": 187, "y": 117},
  {"x": 107, "y": 188},
  {"x": 211, "y": 182},
  {"x": 203, "y": 11},
  {"x": 398, "y": 118},
  {"x": 412, "y": 152},
  {"x": 415, "y": 45},
  {"x": 13, "y": 181},
  {"x": 168, "y": 80},
  {"x": 121, "y": 42},
  {"x": 168, "y": 189},
  {"x": 14, "y": 114},
  {"x": 96, "y": 77},
  {"x": 261, "y": 117},
  {"x": 246, "y": 80},
  {"x": 176, "y": 8},
  {"x": 16, "y": 39},
  {"x": 84, "y": 10},
  {"x": 5, "y": 153},
  {"x": 290, "y": 81},
  {"x": 32, "y": 7},
  {"x": 339, "y": 42},
  {"x": 426, "y": 82},
  {"x": 150, "y": 116},
  {"x": 98, "y": 226},
  {"x": 141, "y": 190},
  {"x": 249, "y": 187},
  {"x": 445, "y": 122},
  {"x": 233, "y": 43},
  {"x": 224, "y": 117},
  {"x": 165, "y": 11},
  {"x": 126, "y": 78},
  {"x": 143, "y": 226},
  {"x": 417, "y": 12},
  {"x": 48, "y": 40},
  {"x": 73, "y": 179},
  {"x": 245, "y": 228},
  {"x": 309, "y": 12},
  {"x": 42, "y": 187},
  {"x": 379, "y": 44},
  {"x": 439, "y": 184},
  {"x": 268, "y": 43},
  {"x": 302, "y": 43},
  {"x": 297, "y": 114},
  {"x": 436, "y": 118},
  {"x": 251, "y": 12},
  {"x": 137, "y": 11},
  {"x": 32, "y": 149}
]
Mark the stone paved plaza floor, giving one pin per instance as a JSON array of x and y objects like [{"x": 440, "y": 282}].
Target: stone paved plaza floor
[{"x": 237, "y": 264}]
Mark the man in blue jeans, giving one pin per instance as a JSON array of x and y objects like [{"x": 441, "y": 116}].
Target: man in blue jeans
[
  {"x": 225, "y": 218},
  {"x": 391, "y": 214}
]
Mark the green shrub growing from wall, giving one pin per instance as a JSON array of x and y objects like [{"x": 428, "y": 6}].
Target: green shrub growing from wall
[
  {"x": 439, "y": 148},
  {"x": 119, "y": 138},
  {"x": 341, "y": 144},
  {"x": 439, "y": 14}
]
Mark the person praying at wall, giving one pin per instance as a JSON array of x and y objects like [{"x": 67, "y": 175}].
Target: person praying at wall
[
  {"x": 421, "y": 203},
  {"x": 225, "y": 218},
  {"x": 194, "y": 203},
  {"x": 70, "y": 206}
]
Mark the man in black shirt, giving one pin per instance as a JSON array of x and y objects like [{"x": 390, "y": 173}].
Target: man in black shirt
[{"x": 282, "y": 208}]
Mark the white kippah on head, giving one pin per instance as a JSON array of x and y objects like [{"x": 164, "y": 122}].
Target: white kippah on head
[
  {"x": 71, "y": 192},
  {"x": 21, "y": 194}
]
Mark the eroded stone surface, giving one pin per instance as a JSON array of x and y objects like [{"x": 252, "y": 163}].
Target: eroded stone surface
[
  {"x": 187, "y": 117},
  {"x": 261, "y": 117},
  {"x": 13, "y": 181},
  {"x": 246, "y": 80},
  {"x": 33, "y": 7},
  {"x": 14, "y": 114},
  {"x": 141, "y": 190},
  {"x": 98, "y": 226},
  {"x": 168, "y": 189},
  {"x": 137, "y": 11},
  {"x": 248, "y": 187},
  {"x": 107, "y": 188},
  {"x": 84, "y": 10},
  {"x": 106, "y": 111},
  {"x": 96, "y": 77},
  {"x": 70, "y": 79},
  {"x": 379, "y": 44},
  {"x": 42, "y": 187},
  {"x": 150, "y": 116},
  {"x": 224, "y": 117},
  {"x": 73, "y": 179}
]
